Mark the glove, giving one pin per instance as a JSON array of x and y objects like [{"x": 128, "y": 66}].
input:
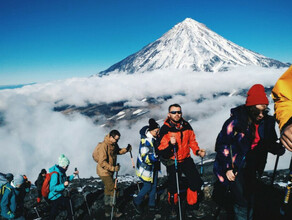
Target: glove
[
  {"x": 129, "y": 148},
  {"x": 115, "y": 168},
  {"x": 281, "y": 151},
  {"x": 10, "y": 215}
]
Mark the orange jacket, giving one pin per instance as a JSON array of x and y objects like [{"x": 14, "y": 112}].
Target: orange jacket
[
  {"x": 282, "y": 95},
  {"x": 185, "y": 138}
]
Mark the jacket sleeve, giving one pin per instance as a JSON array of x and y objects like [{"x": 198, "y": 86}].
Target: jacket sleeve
[
  {"x": 165, "y": 148},
  {"x": 193, "y": 143},
  {"x": 223, "y": 147},
  {"x": 5, "y": 203},
  {"x": 103, "y": 158},
  {"x": 145, "y": 153},
  {"x": 55, "y": 184},
  {"x": 282, "y": 95}
]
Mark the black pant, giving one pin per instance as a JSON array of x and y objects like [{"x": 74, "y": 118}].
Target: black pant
[
  {"x": 187, "y": 167},
  {"x": 60, "y": 203}
]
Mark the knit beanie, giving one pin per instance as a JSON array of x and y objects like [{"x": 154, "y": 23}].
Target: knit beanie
[
  {"x": 63, "y": 161},
  {"x": 43, "y": 171},
  {"x": 18, "y": 180},
  {"x": 152, "y": 124},
  {"x": 256, "y": 96}
]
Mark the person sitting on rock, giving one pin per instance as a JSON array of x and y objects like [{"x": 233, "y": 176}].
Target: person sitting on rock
[
  {"x": 39, "y": 183},
  {"x": 58, "y": 183}
]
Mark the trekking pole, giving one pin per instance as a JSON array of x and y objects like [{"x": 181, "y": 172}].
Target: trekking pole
[
  {"x": 114, "y": 197},
  {"x": 77, "y": 174},
  {"x": 275, "y": 169},
  {"x": 39, "y": 217},
  {"x": 85, "y": 199},
  {"x": 133, "y": 164},
  {"x": 202, "y": 167},
  {"x": 177, "y": 182},
  {"x": 71, "y": 207},
  {"x": 288, "y": 191}
]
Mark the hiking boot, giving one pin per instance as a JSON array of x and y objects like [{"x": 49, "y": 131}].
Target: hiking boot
[
  {"x": 198, "y": 214},
  {"x": 107, "y": 211},
  {"x": 173, "y": 214},
  {"x": 153, "y": 209},
  {"x": 138, "y": 208},
  {"x": 117, "y": 214}
]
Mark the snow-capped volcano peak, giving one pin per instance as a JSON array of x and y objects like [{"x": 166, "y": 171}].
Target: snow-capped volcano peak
[{"x": 191, "y": 45}]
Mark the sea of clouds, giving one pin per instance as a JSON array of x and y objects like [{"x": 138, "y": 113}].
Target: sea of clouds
[{"x": 33, "y": 135}]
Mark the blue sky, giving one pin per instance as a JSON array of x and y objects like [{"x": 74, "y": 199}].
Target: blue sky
[{"x": 44, "y": 40}]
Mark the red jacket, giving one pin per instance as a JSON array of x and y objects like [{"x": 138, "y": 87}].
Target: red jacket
[{"x": 185, "y": 138}]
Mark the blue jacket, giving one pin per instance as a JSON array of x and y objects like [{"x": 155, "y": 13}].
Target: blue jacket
[
  {"x": 8, "y": 202},
  {"x": 235, "y": 140},
  {"x": 147, "y": 160},
  {"x": 57, "y": 182}
]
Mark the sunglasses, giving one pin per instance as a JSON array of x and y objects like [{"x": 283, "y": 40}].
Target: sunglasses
[{"x": 175, "y": 112}]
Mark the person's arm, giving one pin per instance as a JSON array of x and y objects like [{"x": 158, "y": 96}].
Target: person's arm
[
  {"x": 282, "y": 95},
  {"x": 103, "y": 158},
  {"x": 55, "y": 185},
  {"x": 224, "y": 146},
  {"x": 166, "y": 143},
  {"x": 194, "y": 145},
  {"x": 5, "y": 201}
]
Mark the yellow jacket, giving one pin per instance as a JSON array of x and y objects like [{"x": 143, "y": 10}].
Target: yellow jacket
[{"x": 282, "y": 95}]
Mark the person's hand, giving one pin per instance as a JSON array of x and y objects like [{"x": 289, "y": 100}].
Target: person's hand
[
  {"x": 172, "y": 140},
  {"x": 116, "y": 168},
  {"x": 66, "y": 183},
  {"x": 11, "y": 215},
  {"x": 286, "y": 137},
  {"x": 76, "y": 172},
  {"x": 129, "y": 148},
  {"x": 202, "y": 153},
  {"x": 230, "y": 175}
]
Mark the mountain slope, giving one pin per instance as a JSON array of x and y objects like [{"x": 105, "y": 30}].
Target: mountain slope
[{"x": 191, "y": 45}]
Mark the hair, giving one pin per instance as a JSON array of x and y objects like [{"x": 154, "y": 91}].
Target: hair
[
  {"x": 114, "y": 133},
  {"x": 174, "y": 105}
]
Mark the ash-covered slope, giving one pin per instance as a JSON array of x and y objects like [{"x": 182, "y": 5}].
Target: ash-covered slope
[{"x": 191, "y": 45}]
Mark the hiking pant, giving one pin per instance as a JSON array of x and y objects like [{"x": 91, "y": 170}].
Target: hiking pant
[
  {"x": 188, "y": 168},
  {"x": 63, "y": 203},
  {"x": 242, "y": 213},
  {"x": 108, "y": 185},
  {"x": 150, "y": 188}
]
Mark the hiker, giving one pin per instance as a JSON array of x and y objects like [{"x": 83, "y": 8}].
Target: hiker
[
  {"x": 242, "y": 147},
  {"x": 105, "y": 154},
  {"x": 20, "y": 195},
  {"x": 58, "y": 184},
  {"x": 39, "y": 183},
  {"x": 148, "y": 166},
  {"x": 178, "y": 133},
  {"x": 9, "y": 198},
  {"x": 282, "y": 95}
]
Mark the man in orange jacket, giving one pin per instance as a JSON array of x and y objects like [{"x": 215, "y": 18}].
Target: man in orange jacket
[
  {"x": 177, "y": 134},
  {"x": 282, "y": 95}
]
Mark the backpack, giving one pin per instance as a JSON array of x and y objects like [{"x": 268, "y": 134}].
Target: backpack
[
  {"x": 3, "y": 183},
  {"x": 46, "y": 184},
  {"x": 96, "y": 152}
]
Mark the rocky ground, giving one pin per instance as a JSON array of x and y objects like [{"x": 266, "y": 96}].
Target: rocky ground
[{"x": 87, "y": 199}]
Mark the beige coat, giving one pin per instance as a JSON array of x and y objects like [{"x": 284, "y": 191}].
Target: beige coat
[{"x": 107, "y": 156}]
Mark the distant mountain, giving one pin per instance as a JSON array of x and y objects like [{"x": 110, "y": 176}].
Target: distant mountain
[{"x": 191, "y": 45}]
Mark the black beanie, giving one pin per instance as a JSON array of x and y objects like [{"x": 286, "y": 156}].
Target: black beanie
[
  {"x": 43, "y": 171},
  {"x": 152, "y": 124}
]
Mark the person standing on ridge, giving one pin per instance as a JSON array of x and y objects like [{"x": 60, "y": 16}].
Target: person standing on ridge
[
  {"x": 148, "y": 166},
  {"x": 177, "y": 134},
  {"x": 242, "y": 147},
  {"x": 39, "y": 183},
  {"x": 105, "y": 154}
]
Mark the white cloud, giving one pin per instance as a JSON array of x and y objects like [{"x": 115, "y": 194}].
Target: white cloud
[{"x": 34, "y": 135}]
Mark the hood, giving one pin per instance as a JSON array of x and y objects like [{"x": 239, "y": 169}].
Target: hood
[
  {"x": 107, "y": 139},
  {"x": 143, "y": 131},
  {"x": 55, "y": 168}
]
